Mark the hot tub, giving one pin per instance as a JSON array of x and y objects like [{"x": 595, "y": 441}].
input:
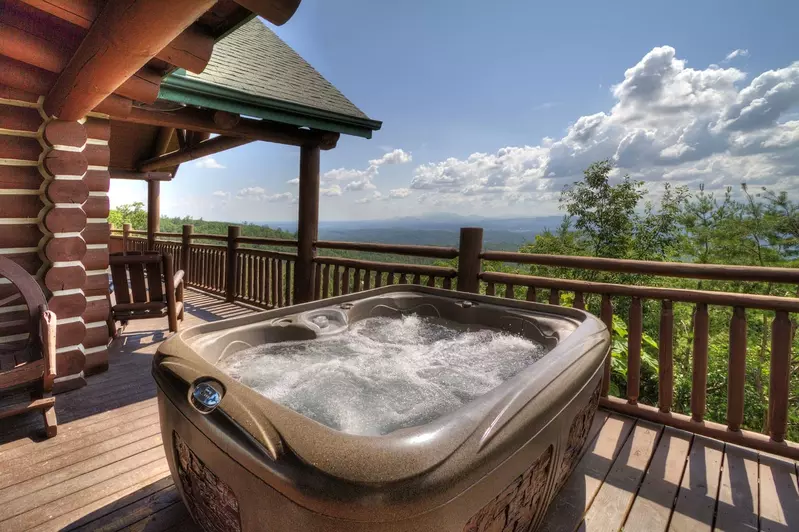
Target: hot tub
[{"x": 404, "y": 408}]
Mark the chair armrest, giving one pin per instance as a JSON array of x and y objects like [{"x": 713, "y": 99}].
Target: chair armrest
[
  {"x": 178, "y": 277},
  {"x": 47, "y": 331}
]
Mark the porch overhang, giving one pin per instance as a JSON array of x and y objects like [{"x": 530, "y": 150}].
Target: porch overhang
[{"x": 179, "y": 88}]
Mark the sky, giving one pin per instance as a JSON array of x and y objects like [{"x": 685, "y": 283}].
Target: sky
[{"x": 491, "y": 108}]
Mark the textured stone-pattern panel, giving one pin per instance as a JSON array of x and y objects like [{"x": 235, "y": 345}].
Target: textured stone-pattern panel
[
  {"x": 212, "y": 503},
  {"x": 577, "y": 435},
  {"x": 515, "y": 509}
]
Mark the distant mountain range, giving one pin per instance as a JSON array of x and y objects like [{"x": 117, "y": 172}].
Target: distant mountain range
[{"x": 439, "y": 229}]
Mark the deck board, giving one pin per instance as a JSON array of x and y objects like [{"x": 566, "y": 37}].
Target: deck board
[
  {"x": 651, "y": 511},
  {"x": 106, "y": 470}
]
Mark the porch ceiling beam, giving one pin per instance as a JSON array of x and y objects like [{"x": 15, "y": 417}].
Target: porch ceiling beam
[
  {"x": 275, "y": 11},
  {"x": 208, "y": 147},
  {"x": 190, "y": 50},
  {"x": 123, "y": 38},
  {"x": 198, "y": 120},
  {"x": 120, "y": 173}
]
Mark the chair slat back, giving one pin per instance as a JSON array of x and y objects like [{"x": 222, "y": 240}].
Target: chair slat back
[
  {"x": 128, "y": 273},
  {"x": 154, "y": 280}
]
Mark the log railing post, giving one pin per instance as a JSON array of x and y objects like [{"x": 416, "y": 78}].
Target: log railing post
[
  {"x": 666, "y": 357},
  {"x": 699, "y": 377},
  {"x": 233, "y": 232},
  {"x": 736, "y": 377},
  {"x": 185, "y": 250},
  {"x": 780, "y": 373},
  {"x": 307, "y": 224},
  {"x": 606, "y": 314},
  {"x": 125, "y": 237},
  {"x": 471, "y": 245}
]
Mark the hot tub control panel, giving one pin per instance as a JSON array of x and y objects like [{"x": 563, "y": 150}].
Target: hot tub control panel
[{"x": 205, "y": 397}]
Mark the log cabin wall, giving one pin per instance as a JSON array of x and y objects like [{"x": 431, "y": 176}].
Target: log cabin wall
[{"x": 54, "y": 221}]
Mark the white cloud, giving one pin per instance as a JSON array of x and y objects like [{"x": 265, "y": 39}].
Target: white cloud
[
  {"x": 208, "y": 162},
  {"x": 669, "y": 121},
  {"x": 375, "y": 196},
  {"x": 260, "y": 194},
  {"x": 355, "y": 180},
  {"x": 399, "y": 193},
  {"x": 221, "y": 194},
  {"x": 333, "y": 190},
  {"x": 295, "y": 181},
  {"x": 397, "y": 156},
  {"x": 736, "y": 53}
]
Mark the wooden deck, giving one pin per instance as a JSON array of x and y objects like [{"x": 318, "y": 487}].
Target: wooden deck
[{"x": 106, "y": 468}]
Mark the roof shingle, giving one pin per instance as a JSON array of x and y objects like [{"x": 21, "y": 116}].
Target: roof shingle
[{"x": 254, "y": 60}]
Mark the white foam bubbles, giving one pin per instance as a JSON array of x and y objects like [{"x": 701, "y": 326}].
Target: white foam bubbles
[{"x": 383, "y": 374}]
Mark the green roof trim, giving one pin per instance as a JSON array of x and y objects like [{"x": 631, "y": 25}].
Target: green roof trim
[{"x": 191, "y": 91}]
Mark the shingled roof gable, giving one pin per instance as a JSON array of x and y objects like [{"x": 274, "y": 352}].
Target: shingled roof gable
[{"x": 254, "y": 60}]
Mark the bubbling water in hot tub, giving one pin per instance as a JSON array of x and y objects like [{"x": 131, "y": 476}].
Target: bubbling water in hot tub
[{"x": 383, "y": 374}]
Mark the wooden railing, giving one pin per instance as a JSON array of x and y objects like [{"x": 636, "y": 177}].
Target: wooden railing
[{"x": 265, "y": 277}]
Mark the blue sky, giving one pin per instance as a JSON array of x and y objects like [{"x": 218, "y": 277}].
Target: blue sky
[{"x": 491, "y": 108}]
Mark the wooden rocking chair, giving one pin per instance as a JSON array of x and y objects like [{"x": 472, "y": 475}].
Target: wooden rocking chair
[
  {"x": 27, "y": 364},
  {"x": 139, "y": 296}
]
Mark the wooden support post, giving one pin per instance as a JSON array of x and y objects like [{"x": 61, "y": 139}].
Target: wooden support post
[
  {"x": 470, "y": 247},
  {"x": 233, "y": 232},
  {"x": 666, "y": 357},
  {"x": 125, "y": 237},
  {"x": 308, "y": 224},
  {"x": 736, "y": 372},
  {"x": 779, "y": 380},
  {"x": 699, "y": 378},
  {"x": 185, "y": 251},
  {"x": 153, "y": 212}
]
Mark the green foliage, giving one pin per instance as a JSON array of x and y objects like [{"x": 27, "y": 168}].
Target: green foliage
[{"x": 607, "y": 217}]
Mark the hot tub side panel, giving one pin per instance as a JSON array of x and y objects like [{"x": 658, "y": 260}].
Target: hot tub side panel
[{"x": 222, "y": 495}]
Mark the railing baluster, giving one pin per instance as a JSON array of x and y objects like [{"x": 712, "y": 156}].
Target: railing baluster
[
  {"x": 389, "y": 278},
  {"x": 403, "y": 278},
  {"x": 267, "y": 280},
  {"x": 736, "y": 373},
  {"x": 345, "y": 281},
  {"x": 275, "y": 283},
  {"x": 367, "y": 279},
  {"x": 317, "y": 289},
  {"x": 699, "y": 378},
  {"x": 780, "y": 373},
  {"x": 531, "y": 295},
  {"x": 666, "y": 357},
  {"x": 490, "y": 289},
  {"x": 336, "y": 282},
  {"x": 447, "y": 284},
  {"x": 554, "y": 296},
  {"x": 378, "y": 279},
  {"x": 357, "y": 282},
  {"x": 325, "y": 281},
  {"x": 431, "y": 280},
  {"x": 579, "y": 301},
  {"x": 606, "y": 314},
  {"x": 288, "y": 283},
  {"x": 634, "y": 338},
  {"x": 417, "y": 278},
  {"x": 510, "y": 291},
  {"x": 280, "y": 302},
  {"x": 251, "y": 276}
]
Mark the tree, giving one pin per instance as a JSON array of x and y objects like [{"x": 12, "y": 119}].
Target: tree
[{"x": 133, "y": 214}]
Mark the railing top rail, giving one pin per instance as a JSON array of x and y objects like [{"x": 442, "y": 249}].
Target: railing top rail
[
  {"x": 666, "y": 269},
  {"x": 280, "y": 255},
  {"x": 727, "y": 299},
  {"x": 388, "y": 267},
  {"x": 266, "y": 241},
  {"x": 436, "y": 252},
  {"x": 204, "y": 236}
]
